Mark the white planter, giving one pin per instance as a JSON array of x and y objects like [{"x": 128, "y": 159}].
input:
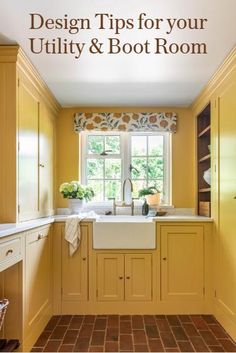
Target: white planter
[{"x": 76, "y": 205}]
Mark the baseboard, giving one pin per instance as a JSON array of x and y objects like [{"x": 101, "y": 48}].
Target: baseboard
[{"x": 226, "y": 319}]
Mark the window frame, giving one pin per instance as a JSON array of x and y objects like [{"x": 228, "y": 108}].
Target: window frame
[{"x": 125, "y": 145}]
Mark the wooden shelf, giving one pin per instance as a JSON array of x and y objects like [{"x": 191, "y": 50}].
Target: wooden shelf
[
  {"x": 204, "y": 190},
  {"x": 205, "y": 131},
  {"x": 205, "y": 158}
]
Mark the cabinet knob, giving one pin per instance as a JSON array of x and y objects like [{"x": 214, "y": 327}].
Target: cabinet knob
[
  {"x": 120, "y": 277},
  {"x": 9, "y": 252},
  {"x": 127, "y": 277},
  {"x": 234, "y": 197},
  {"x": 84, "y": 258},
  {"x": 164, "y": 258},
  {"x": 40, "y": 236},
  {"x": 41, "y": 165}
]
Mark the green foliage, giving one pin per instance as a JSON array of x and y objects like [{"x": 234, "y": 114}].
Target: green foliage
[
  {"x": 74, "y": 190},
  {"x": 148, "y": 191}
]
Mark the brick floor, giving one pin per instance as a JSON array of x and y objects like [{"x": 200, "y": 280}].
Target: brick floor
[{"x": 134, "y": 333}]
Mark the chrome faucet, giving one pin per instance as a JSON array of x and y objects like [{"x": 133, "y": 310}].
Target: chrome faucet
[{"x": 123, "y": 203}]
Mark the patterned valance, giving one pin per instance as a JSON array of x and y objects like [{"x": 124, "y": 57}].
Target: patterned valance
[{"x": 125, "y": 122}]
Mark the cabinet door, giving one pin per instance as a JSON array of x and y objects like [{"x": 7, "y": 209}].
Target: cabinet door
[
  {"x": 75, "y": 269},
  {"x": 226, "y": 273},
  {"x": 28, "y": 152},
  {"x": 110, "y": 277},
  {"x": 46, "y": 137},
  {"x": 181, "y": 262},
  {"x": 138, "y": 277},
  {"x": 38, "y": 278}
]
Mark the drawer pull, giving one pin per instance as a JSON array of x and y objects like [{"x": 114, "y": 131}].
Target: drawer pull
[
  {"x": 40, "y": 236},
  {"x": 84, "y": 258},
  {"x": 127, "y": 277},
  {"x": 164, "y": 258},
  {"x": 9, "y": 252},
  {"x": 120, "y": 277}
]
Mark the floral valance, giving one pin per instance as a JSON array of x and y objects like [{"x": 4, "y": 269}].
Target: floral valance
[{"x": 125, "y": 122}]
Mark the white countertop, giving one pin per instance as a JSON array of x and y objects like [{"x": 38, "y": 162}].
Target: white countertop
[{"x": 13, "y": 228}]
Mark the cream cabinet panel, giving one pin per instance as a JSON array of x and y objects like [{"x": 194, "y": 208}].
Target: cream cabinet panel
[
  {"x": 46, "y": 138},
  {"x": 38, "y": 278},
  {"x": 226, "y": 274},
  {"x": 28, "y": 152},
  {"x": 138, "y": 277},
  {"x": 182, "y": 263},
  {"x": 110, "y": 277},
  {"x": 75, "y": 269}
]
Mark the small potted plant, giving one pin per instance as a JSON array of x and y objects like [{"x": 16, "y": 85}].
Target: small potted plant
[
  {"x": 151, "y": 194},
  {"x": 76, "y": 194}
]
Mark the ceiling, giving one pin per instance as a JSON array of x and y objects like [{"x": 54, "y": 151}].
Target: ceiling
[{"x": 124, "y": 80}]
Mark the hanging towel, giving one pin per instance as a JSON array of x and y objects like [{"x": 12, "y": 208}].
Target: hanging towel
[{"x": 72, "y": 229}]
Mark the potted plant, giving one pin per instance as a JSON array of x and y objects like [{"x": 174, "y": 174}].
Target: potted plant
[
  {"x": 151, "y": 194},
  {"x": 76, "y": 194}
]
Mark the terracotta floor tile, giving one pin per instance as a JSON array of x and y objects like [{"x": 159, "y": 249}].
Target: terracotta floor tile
[
  {"x": 52, "y": 346},
  {"x": 125, "y": 327},
  {"x": 96, "y": 349},
  {"x": 66, "y": 348},
  {"x": 163, "y": 325},
  {"x": 199, "y": 323},
  {"x": 82, "y": 344},
  {"x": 137, "y": 322},
  {"x": 168, "y": 340},
  {"x": 199, "y": 344},
  {"x": 58, "y": 332},
  {"x": 179, "y": 333},
  {"x": 43, "y": 338},
  {"x": 113, "y": 321},
  {"x": 139, "y": 336},
  {"x": 156, "y": 345},
  {"x": 209, "y": 338},
  {"x": 216, "y": 348},
  {"x": 89, "y": 319},
  {"x": 36, "y": 349},
  {"x": 149, "y": 320},
  {"x": 125, "y": 317},
  {"x": 151, "y": 331},
  {"x": 86, "y": 330},
  {"x": 126, "y": 342},
  {"x": 65, "y": 320},
  {"x": 228, "y": 345},
  {"x": 190, "y": 329},
  {"x": 172, "y": 350},
  {"x": 52, "y": 323},
  {"x": 218, "y": 331},
  {"x": 184, "y": 318},
  {"x": 100, "y": 324},
  {"x": 98, "y": 338},
  {"x": 76, "y": 322},
  {"x": 141, "y": 348},
  {"x": 111, "y": 346},
  {"x": 70, "y": 337},
  {"x": 112, "y": 334},
  {"x": 173, "y": 320},
  {"x": 209, "y": 319},
  {"x": 185, "y": 346}
]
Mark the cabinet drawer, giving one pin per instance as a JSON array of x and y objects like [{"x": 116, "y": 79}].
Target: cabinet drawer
[
  {"x": 38, "y": 234},
  {"x": 10, "y": 252}
]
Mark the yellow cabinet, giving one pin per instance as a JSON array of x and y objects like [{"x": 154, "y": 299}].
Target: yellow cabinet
[
  {"x": 37, "y": 283},
  {"x": 27, "y": 113},
  {"x": 124, "y": 277},
  {"x": 75, "y": 269},
  {"x": 226, "y": 270},
  {"x": 182, "y": 263}
]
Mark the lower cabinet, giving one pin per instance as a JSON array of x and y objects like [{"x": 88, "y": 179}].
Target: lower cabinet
[
  {"x": 75, "y": 269},
  {"x": 182, "y": 263},
  {"x": 124, "y": 277},
  {"x": 37, "y": 283}
]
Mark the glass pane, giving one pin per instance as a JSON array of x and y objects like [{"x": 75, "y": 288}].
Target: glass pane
[
  {"x": 112, "y": 189},
  {"x": 157, "y": 183},
  {"x": 97, "y": 186},
  {"x": 138, "y": 185},
  {"x": 155, "y": 145},
  {"x": 155, "y": 168},
  {"x": 139, "y": 145},
  {"x": 139, "y": 170},
  {"x": 95, "y": 168},
  {"x": 113, "y": 168},
  {"x": 112, "y": 143},
  {"x": 95, "y": 144}
]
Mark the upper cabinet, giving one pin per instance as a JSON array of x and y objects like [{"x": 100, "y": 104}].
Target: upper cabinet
[
  {"x": 204, "y": 161},
  {"x": 28, "y": 112}
]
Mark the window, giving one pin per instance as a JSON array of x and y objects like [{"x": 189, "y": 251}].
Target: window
[{"x": 109, "y": 158}]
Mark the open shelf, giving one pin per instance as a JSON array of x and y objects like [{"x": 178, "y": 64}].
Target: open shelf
[{"x": 204, "y": 160}]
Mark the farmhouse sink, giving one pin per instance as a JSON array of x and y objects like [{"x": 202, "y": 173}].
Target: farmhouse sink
[{"x": 124, "y": 232}]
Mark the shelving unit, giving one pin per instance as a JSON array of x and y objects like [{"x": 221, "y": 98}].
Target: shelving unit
[{"x": 204, "y": 160}]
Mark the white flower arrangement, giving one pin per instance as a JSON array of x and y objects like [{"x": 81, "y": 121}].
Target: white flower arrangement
[{"x": 74, "y": 190}]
